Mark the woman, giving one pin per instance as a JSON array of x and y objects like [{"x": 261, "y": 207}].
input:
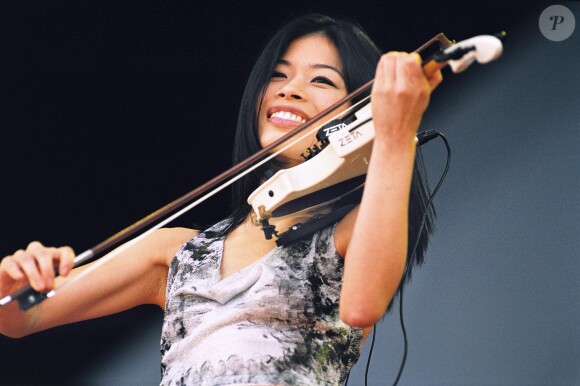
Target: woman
[{"x": 238, "y": 309}]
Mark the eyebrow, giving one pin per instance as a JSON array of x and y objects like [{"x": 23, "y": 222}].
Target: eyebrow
[{"x": 316, "y": 65}]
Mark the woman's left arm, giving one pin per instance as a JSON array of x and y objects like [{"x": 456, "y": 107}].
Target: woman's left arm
[{"x": 373, "y": 237}]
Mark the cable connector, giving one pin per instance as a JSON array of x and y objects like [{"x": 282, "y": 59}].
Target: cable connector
[{"x": 426, "y": 136}]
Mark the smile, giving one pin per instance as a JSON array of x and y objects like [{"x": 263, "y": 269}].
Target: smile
[{"x": 287, "y": 116}]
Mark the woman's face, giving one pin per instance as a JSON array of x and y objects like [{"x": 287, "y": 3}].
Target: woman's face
[{"x": 306, "y": 80}]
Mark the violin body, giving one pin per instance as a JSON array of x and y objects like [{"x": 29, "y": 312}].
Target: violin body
[{"x": 345, "y": 156}]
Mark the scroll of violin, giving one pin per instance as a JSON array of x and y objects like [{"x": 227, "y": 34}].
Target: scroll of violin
[
  {"x": 345, "y": 153},
  {"x": 344, "y": 156}
]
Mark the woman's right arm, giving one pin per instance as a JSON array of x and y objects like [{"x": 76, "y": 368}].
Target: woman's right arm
[{"x": 136, "y": 276}]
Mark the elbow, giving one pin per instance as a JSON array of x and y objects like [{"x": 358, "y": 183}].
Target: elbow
[
  {"x": 14, "y": 334},
  {"x": 15, "y": 327},
  {"x": 360, "y": 316}
]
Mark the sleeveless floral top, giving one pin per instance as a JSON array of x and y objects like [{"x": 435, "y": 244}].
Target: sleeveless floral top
[{"x": 274, "y": 322}]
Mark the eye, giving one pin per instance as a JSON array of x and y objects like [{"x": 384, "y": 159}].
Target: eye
[
  {"x": 278, "y": 74},
  {"x": 324, "y": 80}
]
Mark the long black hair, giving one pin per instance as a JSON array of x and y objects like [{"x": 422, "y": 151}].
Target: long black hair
[{"x": 359, "y": 57}]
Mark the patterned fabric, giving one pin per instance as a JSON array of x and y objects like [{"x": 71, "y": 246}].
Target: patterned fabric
[{"x": 274, "y": 322}]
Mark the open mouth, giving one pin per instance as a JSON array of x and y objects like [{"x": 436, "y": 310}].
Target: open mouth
[{"x": 287, "y": 116}]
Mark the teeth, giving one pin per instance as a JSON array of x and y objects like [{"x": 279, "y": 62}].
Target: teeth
[{"x": 288, "y": 116}]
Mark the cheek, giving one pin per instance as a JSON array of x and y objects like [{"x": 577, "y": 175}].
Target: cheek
[
  {"x": 262, "y": 119},
  {"x": 325, "y": 100},
  {"x": 263, "y": 138},
  {"x": 265, "y": 134}
]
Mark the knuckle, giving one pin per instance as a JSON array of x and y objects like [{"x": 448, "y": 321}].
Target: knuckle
[
  {"x": 402, "y": 91},
  {"x": 18, "y": 255},
  {"x": 387, "y": 58},
  {"x": 33, "y": 245},
  {"x": 68, "y": 252},
  {"x": 6, "y": 261}
]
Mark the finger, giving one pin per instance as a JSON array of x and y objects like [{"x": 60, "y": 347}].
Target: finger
[
  {"x": 67, "y": 256},
  {"x": 11, "y": 268},
  {"x": 385, "y": 76},
  {"x": 44, "y": 260},
  {"x": 411, "y": 64},
  {"x": 35, "y": 246},
  {"x": 415, "y": 58},
  {"x": 27, "y": 264},
  {"x": 46, "y": 266},
  {"x": 64, "y": 255},
  {"x": 435, "y": 80},
  {"x": 410, "y": 81}
]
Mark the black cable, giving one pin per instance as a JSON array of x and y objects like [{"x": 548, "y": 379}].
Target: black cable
[
  {"x": 408, "y": 267},
  {"x": 368, "y": 361},
  {"x": 370, "y": 354},
  {"x": 405, "y": 344}
]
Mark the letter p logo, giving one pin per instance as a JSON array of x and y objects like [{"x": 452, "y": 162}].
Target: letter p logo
[
  {"x": 557, "y": 23},
  {"x": 557, "y": 20}
]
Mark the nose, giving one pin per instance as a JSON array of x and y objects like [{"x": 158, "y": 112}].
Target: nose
[{"x": 291, "y": 90}]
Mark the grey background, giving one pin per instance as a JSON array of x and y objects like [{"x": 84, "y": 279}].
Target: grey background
[{"x": 111, "y": 111}]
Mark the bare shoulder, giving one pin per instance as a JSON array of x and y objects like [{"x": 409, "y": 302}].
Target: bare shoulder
[{"x": 169, "y": 240}]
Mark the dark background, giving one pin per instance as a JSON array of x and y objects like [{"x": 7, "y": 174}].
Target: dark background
[{"x": 111, "y": 109}]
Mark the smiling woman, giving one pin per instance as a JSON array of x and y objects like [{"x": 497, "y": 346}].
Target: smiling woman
[{"x": 238, "y": 308}]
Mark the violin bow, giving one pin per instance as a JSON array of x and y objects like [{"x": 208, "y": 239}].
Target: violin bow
[{"x": 27, "y": 297}]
